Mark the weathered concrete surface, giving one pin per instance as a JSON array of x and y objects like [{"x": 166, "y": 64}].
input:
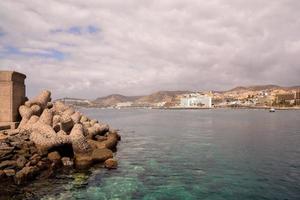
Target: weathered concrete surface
[{"x": 12, "y": 95}]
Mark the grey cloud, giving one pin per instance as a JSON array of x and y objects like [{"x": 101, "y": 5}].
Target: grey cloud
[{"x": 145, "y": 46}]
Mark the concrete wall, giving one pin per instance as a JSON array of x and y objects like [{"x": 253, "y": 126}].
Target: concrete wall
[{"x": 12, "y": 95}]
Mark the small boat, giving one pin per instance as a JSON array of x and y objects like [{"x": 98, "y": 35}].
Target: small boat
[{"x": 272, "y": 110}]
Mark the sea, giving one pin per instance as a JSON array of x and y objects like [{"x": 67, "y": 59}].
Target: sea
[{"x": 213, "y": 154}]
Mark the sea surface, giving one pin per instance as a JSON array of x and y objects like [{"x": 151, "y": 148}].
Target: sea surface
[{"x": 192, "y": 154}]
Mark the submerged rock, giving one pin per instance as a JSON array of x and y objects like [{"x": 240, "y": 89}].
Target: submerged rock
[
  {"x": 25, "y": 174},
  {"x": 100, "y": 155},
  {"x": 111, "y": 163}
]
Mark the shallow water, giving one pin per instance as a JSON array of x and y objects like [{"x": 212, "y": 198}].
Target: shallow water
[{"x": 193, "y": 154}]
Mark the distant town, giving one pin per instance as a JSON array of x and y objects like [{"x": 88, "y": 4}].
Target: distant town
[{"x": 263, "y": 96}]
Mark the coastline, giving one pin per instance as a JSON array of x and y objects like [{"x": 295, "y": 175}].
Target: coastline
[{"x": 200, "y": 108}]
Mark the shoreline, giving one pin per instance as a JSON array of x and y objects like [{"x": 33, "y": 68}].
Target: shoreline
[{"x": 197, "y": 108}]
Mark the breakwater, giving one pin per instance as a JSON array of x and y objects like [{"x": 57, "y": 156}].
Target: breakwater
[{"x": 51, "y": 136}]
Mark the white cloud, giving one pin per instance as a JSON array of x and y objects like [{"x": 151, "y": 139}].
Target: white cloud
[{"x": 143, "y": 46}]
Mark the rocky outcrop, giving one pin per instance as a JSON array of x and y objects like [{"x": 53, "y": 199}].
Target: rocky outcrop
[
  {"x": 53, "y": 135},
  {"x": 111, "y": 163}
]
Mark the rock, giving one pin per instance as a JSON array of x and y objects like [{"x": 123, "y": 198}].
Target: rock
[
  {"x": 100, "y": 138},
  {"x": 100, "y": 155},
  {"x": 56, "y": 119},
  {"x": 26, "y": 174},
  {"x": 93, "y": 121},
  {"x": 8, "y": 164},
  {"x": 70, "y": 111},
  {"x": 79, "y": 142},
  {"x": 42, "y": 99},
  {"x": 21, "y": 161},
  {"x": 54, "y": 156},
  {"x": 46, "y": 117},
  {"x": 36, "y": 109},
  {"x": 2, "y": 174},
  {"x": 112, "y": 140},
  {"x": 76, "y": 117},
  {"x": 66, "y": 123},
  {"x": 25, "y": 112},
  {"x": 6, "y": 151},
  {"x": 67, "y": 162},
  {"x": 9, "y": 172},
  {"x": 111, "y": 163},
  {"x": 34, "y": 160},
  {"x": 46, "y": 138},
  {"x": 83, "y": 118},
  {"x": 96, "y": 145},
  {"x": 42, "y": 165},
  {"x": 83, "y": 161},
  {"x": 49, "y": 105},
  {"x": 59, "y": 107}
]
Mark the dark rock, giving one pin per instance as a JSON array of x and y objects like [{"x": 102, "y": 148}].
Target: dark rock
[
  {"x": 21, "y": 161},
  {"x": 25, "y": 174},
  {"x": 35, "y": 157},
  {"x": 6, "y": 151},
  {"x": 111, "y": 163},
  {"x": 83, "y": 161},
  {"x": 42, "y": 165},
  {"x": 100, "y": 138},
  {"x": 57, "y": 127},
  {"x": 9, "y": 172},
  {"x": 2, "y": 174},
  {"x": 54, "y": 156},
  {"x": 24, "y": 152},
  {"x": 8, "y": 164},
  {"x": 67, "y": 162},
  {"x": 33, "y": 150},
  {"x": 100, "y": 155}
]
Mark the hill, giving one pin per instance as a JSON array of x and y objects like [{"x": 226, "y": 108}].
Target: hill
[
  {"x": 113, "y": 99},
  {"x": 161, "y": 96}
]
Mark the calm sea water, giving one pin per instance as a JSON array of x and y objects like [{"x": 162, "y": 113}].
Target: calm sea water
[{"x": 193, "y": 154}]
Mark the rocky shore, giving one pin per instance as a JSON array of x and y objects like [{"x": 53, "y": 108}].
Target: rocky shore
[{"x": 52, "y": 136}]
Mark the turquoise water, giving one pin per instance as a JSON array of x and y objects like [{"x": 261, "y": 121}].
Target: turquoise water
[{"x": 193, "y": 154}]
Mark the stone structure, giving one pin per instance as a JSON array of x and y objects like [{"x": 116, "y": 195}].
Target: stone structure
[{"x": 12, "y": 95}]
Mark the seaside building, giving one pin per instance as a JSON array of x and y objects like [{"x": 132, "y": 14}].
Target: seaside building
[
  {"x": 12, "y": 95},
  {"x": 196, "y": 100},
  {"x": 297, "y": 98},
  {"x": 286, "y": 98},
  {"x": 124, "y": 104}
]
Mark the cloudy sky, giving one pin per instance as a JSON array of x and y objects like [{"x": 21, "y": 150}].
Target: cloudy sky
[{"x": 91, "y": 48}]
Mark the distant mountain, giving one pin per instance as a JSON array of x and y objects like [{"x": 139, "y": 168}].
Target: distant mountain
[
  {"x": 161, "y": 96},
  {"x": 254, "y": 88},
  {"x": 113, "y": 99},
  {"x": 262, "y": 87}
]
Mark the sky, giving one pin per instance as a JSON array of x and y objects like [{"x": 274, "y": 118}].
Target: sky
[{"x": 92, "y": 48}]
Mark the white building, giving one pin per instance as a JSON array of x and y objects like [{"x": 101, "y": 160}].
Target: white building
[{"x": 196, "y": 100}]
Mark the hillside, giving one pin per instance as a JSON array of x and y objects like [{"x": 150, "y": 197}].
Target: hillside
[
  {"x": 113, "y": 99},
  {"x": 161, "y": 96},
  {"x": 262, "y": 87}
]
